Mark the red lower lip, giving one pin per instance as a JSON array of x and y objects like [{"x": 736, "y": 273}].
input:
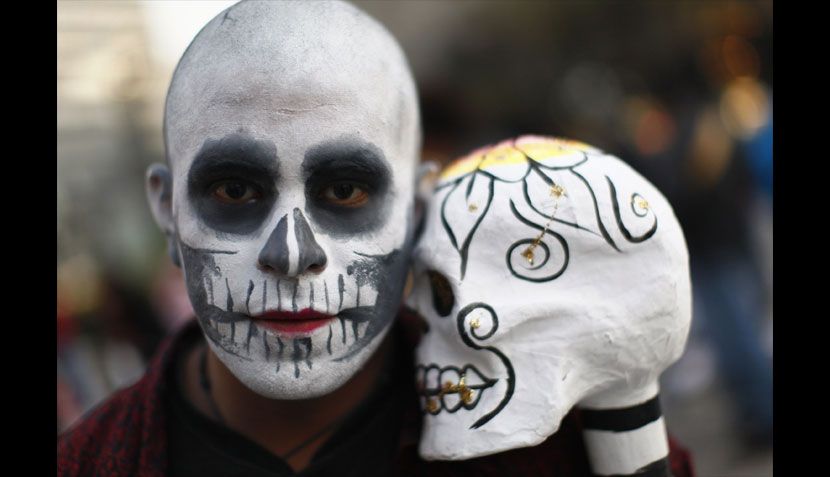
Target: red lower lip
[{"x": 303, "y": 321}]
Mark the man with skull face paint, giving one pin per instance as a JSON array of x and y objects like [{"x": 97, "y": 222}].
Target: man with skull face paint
[{"x": 292, "y": 136}]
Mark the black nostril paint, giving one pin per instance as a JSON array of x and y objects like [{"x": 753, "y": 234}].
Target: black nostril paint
[
  {"x": 315, "y": 268},
  {"x": 312, "y": 258},
  {"x": 274, "y": 254}
]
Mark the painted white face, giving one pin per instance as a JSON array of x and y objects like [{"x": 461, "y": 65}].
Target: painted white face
[
  {"x": 293, "y": 143},
  {"x": 550, "y": 274}
]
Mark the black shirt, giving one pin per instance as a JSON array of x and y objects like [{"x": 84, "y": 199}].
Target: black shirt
[{"x": 365, "y": 444}]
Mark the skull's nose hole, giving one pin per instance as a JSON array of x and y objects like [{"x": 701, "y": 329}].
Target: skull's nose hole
[
  {"x": 311, "y": 256},
  {"x": 317, "y": 267},
  {"x": 274, "y": 254},
  {"x": 443, "y": 298}
]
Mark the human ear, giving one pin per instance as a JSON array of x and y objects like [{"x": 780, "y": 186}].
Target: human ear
[{"x": 159, "y": 189}]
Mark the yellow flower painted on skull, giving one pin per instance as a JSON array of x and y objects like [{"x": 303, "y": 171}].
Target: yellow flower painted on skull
[
  {"x": 532, "y": 176},
  {"x": 508, "y": 160}
]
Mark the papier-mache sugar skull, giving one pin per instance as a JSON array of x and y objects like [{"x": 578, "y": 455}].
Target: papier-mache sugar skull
[{"x": 550, "y": 275}]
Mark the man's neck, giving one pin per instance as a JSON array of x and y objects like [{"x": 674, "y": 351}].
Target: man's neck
[{"x": 279, "y": 425}]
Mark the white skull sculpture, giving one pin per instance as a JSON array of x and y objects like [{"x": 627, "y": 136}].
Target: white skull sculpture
[{"x": 550, "y": 274}]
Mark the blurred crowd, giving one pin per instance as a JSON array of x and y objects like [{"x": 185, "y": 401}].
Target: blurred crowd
[{"x": 681, "y": 91}]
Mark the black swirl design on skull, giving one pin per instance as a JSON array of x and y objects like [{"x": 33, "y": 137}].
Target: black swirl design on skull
[
  {"x": 517, "y": 249},
  {"x": 470, "y": 339},
  {"x": 550, "y": 265},
  {"x": 635, "y": 198},
  {"x": 464, "y": 246}
]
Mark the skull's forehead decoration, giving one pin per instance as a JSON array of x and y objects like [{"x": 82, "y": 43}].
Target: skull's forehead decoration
[{"x": 550, "y": 274}]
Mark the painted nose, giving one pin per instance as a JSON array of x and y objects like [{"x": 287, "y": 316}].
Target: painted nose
[{"x": 296, "y": 254}]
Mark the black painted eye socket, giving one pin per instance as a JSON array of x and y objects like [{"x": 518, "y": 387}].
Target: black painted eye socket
[{"x": 443, "y": 298}]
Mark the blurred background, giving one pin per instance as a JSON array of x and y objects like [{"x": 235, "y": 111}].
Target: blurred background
[{"x": 680, "y": 90}]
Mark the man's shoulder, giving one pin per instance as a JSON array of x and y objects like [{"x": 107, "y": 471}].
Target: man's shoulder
[
  {"x": 125, "y": 434},
  {"x": 107, "y": 437}
]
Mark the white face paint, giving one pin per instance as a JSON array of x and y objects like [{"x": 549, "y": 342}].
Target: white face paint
[
  {"x": 550, "y": 275},
  {"x": 292, "y": 132}
]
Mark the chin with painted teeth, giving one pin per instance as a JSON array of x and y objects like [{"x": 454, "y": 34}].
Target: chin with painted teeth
[{"x": 284, "y": 335}]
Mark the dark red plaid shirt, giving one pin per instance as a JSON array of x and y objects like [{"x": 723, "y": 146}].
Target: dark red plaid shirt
[{"x": 126, "y": 436}]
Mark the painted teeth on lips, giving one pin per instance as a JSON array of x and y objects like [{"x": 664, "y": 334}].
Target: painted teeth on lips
[{"x": 288, "y": 322}]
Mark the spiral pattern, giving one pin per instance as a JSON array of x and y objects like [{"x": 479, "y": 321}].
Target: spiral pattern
[
  {"x": 467, "y": 332},
  {"x": 543, "y": 267}
]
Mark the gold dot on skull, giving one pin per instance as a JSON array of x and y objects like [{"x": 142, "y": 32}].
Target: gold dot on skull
[
  {"x": 475, "y": 323},
  {"x": 432, "y": 405},
  {"x": 472, "y": 207},
  {"x": 557, "y": 190},
  {"x": 642, "y": 203},
  {"x": 528, "y": 255}
]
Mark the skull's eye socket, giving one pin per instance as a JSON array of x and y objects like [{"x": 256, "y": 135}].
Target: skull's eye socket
[{"x": 442, "y": 297}]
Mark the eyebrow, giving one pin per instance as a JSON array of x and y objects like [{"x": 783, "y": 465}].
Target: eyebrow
[
  {"x": 346, "y": 154},
  {"x": 234, "y": 151}
]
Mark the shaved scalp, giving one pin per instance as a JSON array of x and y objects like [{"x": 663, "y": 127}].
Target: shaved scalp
[{"x": 276, "y": 60}]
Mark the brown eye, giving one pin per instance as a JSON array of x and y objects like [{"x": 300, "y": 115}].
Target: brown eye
[
  {"x": 443, "y": 298},
  {"x": 233, "y": 192},
  {"x": 345, "y": 194}
]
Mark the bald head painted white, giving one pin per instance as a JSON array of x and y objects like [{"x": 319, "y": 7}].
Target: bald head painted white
[
  {"x": 267, "y": 63},
  {"x": 292, "y": 133}
]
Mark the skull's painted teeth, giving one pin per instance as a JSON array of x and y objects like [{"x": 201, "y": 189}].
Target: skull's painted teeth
[
  {"x": 450, "y": 402},
  {"x": 265, "y": 344},
  {"x": 341, "y": 286},
  {"x": 230, "y": 298},
  {"x": 431, "y": 378},
  {"x": 280, "y": 348},
  {"x": 449, "y": 375},
  {"x": 326, "y": 291},
  {"x": 474, "y": 377},
  {"x": 434, "y": 379},
  {"x": 311, "y": 295},
  {"x": 432, "y": 405},
  {"x": 264, "y": 295},
  {"x": 354, "y": 328},
  {"x": 252, "y": 331},
  {"x": 209, "y": 288},
  {"x": 294, "y": 296},
  {"x": 343, "y": 329},
  {"x": 301, "y": 354},
  {"x": 248, "y": 297}
]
